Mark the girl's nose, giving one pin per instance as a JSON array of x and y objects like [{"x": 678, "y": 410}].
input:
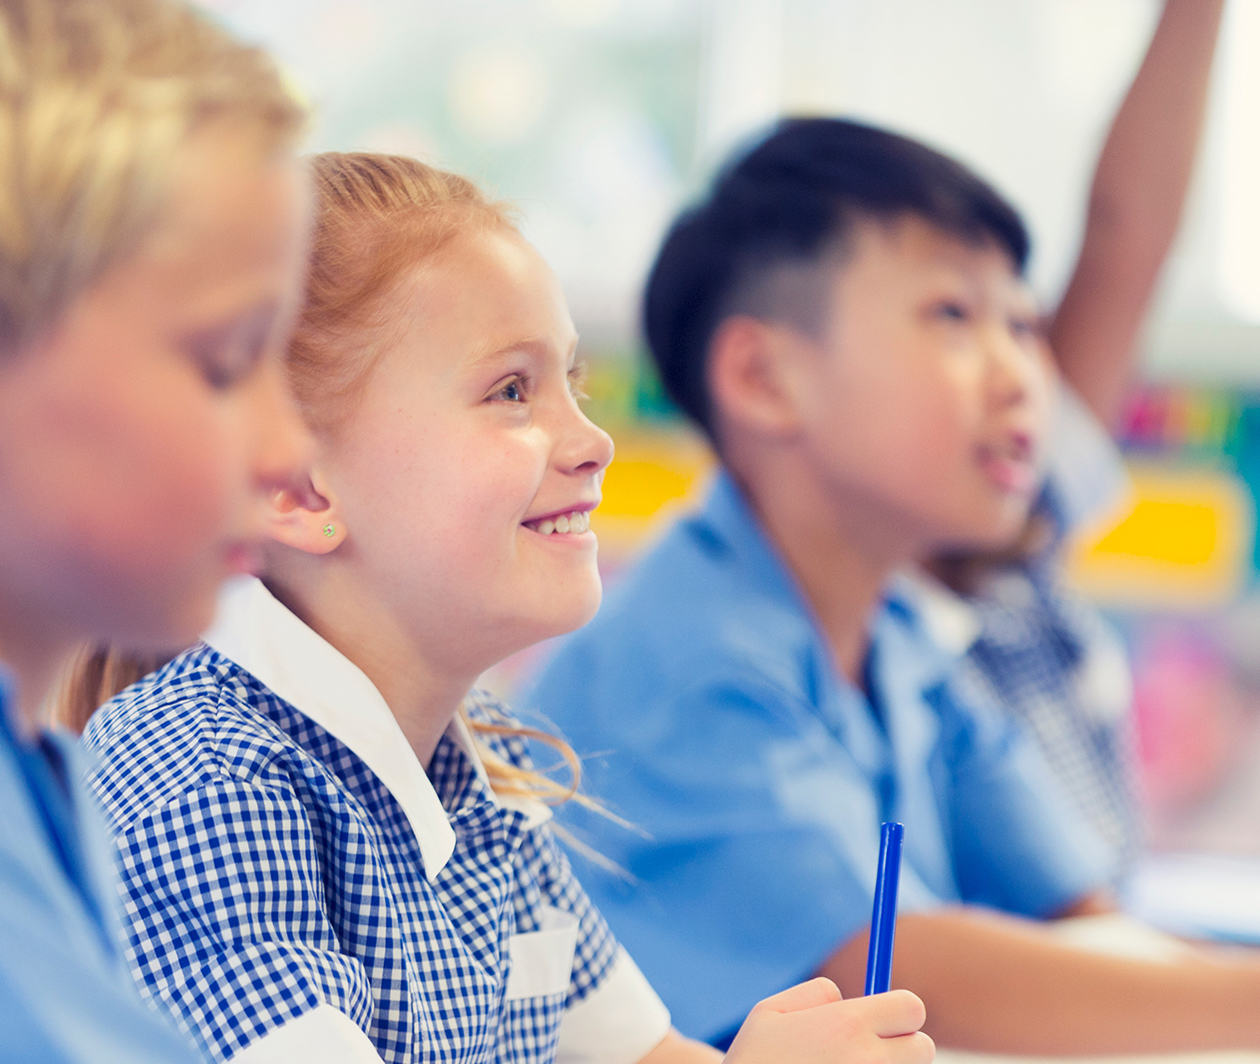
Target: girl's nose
[{"x": 586, "y": 447}]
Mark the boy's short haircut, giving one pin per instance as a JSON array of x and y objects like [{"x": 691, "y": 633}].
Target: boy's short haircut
[{"x": 775, "y": 211}]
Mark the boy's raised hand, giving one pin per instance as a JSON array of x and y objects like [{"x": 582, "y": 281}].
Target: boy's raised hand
[{"x": 811, "y": 1023}]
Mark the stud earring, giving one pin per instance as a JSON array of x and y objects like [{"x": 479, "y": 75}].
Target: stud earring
[{"x": 329, "y": 531}]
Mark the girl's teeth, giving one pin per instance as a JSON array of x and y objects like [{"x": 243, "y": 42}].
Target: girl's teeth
[{"x": 577, "y": 522}]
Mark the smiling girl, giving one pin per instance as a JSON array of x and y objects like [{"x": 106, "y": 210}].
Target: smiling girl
[{"x": 331, "y": 849}]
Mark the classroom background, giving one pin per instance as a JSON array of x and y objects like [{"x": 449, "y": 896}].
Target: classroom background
[{"x": 598, "y": 118}]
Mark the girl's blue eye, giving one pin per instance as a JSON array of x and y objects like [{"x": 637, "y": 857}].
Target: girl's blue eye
[
  {"x": 512, "y": 391},
  {"x": 952, "y": 311}
]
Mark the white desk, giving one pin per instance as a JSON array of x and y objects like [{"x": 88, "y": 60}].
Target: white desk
[{"x": 1208, "y": 896}]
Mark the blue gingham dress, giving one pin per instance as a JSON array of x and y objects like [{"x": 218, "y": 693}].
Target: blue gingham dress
[{"x": 290, "y": 886}]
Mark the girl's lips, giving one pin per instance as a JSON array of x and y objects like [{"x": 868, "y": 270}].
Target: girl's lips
[
  {"x": 562, "y": 523},
  {"x": 577, "y": 507},
  {"x": 578, "y": 512}
]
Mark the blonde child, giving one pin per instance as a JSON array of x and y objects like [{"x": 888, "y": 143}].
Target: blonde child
[
  {"x": 331, "y": 850},
  {"x": 152, "y": 229}
]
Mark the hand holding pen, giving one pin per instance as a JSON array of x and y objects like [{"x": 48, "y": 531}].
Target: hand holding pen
[{"x": 811, "y": 1022}]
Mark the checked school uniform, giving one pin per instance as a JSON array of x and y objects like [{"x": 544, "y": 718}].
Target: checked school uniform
[{"x": 297, "y": 887}]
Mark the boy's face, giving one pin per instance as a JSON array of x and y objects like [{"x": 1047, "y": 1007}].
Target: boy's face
[
  {"x": 140, "y": 438},
  {"x": 926, "y": 412}
]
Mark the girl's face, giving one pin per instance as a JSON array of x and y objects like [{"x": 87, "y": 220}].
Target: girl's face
[
  {"x": 140, "y": 437},
  {"x": 467, "y": 473}
]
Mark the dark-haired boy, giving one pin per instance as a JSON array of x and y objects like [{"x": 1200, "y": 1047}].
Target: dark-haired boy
[{"x": 845, "y": 316}]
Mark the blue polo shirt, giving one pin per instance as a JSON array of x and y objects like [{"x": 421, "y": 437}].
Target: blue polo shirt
[
  {"x": 64, "y": 994},
  {"x": 705, "y": 701}
]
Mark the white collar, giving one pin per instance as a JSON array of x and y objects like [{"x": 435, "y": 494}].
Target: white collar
[
  {"x": 258, "y": 633},
  {"x": 947, "y": 618}
]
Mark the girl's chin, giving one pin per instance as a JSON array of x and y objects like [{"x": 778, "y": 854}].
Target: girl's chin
[{"x": 562, "y": 623}]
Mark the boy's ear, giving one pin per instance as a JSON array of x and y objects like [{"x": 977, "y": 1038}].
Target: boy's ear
[
  {"x": 306, "y": 516},
  {"x": 751, "y": 375}
]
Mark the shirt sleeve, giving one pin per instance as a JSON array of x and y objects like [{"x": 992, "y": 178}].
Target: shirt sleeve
[
  {"x": 323, "y": 1034},
  {"x": 1019, "y": 844},
  {"x": 1086, "y": 477},
  {"x": 225, "y": 912}
]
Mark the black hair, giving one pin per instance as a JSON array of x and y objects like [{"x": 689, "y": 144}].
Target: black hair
[{"x": 790, "y": 199}]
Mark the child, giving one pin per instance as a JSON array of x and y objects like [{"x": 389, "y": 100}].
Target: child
[
  {"x": 844, "y": 315},
  {"x": 153, "y": 225},
  {"x": 1037, "y": 650},
  {"x": 330, "y": 850}
]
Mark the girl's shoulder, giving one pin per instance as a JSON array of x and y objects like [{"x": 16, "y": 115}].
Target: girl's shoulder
[{"x": 196, "y": 720}]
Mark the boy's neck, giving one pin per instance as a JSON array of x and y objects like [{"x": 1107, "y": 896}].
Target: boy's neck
[{"x": 840, "y": 565}]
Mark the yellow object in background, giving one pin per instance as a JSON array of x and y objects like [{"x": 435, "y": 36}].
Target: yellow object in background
[
  {"x": 654, "y": 473},
  {"x": 1183, "y": 542}
]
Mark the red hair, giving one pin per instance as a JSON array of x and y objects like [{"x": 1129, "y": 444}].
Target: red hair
[{"x": 377, "y": 217}]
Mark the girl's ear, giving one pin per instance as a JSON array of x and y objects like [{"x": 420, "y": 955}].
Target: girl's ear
[
  {"x": 752, "y": 371},
  {"x": 306, "y": 516}
]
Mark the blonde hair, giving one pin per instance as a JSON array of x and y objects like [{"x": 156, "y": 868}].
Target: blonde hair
[
  {"x": 377, "y": 217},
  {"x": 92, "y": 677},
  {"x": 96, "y": 99}
]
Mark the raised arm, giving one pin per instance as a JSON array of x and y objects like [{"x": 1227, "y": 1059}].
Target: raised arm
[{"x": 1135, "y": 206}]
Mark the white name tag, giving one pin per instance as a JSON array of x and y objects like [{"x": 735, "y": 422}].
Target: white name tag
[{"x": 542, "y": 960}]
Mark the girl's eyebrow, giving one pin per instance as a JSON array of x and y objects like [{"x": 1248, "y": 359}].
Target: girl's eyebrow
[{"x": 535, "y": 347}]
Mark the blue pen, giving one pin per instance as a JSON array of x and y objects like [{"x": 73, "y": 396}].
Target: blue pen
[{"x": 884, "y": 913}]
